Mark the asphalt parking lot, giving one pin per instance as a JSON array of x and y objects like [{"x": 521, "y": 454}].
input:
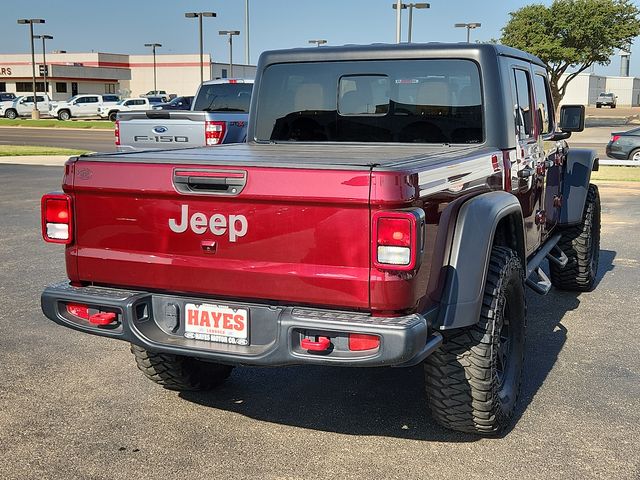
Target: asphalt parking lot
[{"x": 74, "y": 406}]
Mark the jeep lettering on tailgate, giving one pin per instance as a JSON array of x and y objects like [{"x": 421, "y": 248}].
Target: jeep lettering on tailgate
[{"x": 217, "y": 224}]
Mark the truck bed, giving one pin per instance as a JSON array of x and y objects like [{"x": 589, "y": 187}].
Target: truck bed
[{"x": 296, "y": 155}]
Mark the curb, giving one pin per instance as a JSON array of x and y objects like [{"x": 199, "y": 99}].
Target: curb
[{"x": 42, "y": 160}]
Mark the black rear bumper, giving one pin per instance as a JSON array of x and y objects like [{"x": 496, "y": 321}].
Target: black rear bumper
[{"x": 153, "y": 321}]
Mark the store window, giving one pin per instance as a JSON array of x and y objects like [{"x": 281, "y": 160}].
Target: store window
[
  {"x": 28, "y": 86},
  {"x": 3, "y": 86},
  {"x": 61, "y": 87},
  {"x": 109, "y": 88},
  {"x": 224, "y": 73}
]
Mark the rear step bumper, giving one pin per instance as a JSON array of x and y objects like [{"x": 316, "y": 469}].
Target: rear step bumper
[{"x": 155, "y": 322}]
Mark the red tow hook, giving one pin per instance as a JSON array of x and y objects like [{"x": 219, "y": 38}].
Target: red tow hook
[
  {"x": 102, "y": 318},
  {"x": 320, "y": 345}
]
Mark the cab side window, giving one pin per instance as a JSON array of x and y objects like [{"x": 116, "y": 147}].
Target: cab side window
[
  {"x": 523, "y": 111},
  {"x": 544, "y": 111}
]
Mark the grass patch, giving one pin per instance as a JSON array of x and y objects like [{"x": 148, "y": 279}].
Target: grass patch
[
  {"x": 54, "y": 123},
  {"x": 616, "y": 174},
  {"x": 24, "y": 150}
]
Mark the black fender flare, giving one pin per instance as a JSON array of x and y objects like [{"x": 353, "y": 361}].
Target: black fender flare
[
  {"x": 465, "y": 272},
  {"x": 580, "y": 162}
]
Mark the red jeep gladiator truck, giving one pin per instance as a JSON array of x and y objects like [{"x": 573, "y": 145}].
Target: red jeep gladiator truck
[{"x": 388, "y": 209}]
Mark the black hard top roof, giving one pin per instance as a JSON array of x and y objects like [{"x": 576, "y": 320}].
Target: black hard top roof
[{"x": 385, "y": 51}]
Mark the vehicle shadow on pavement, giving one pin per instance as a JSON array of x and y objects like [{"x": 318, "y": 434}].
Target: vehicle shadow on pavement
[
  {"x": 546, "y": 335},
  {"x": 382, "y": 401}
]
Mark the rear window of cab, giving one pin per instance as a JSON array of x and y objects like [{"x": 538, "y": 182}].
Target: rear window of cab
[{"x": 404, "y": 101}]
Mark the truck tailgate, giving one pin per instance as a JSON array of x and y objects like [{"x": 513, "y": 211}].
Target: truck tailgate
[
  {"x": 299, "y": 235},
  {"x": 162, "y": 129}
]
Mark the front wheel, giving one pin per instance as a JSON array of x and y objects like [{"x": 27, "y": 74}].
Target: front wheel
[
  {"x": 176, "y": 372},
  {"x": 113, "y": 116},
  {"x": 64, "y": 115},
  {"x": 11, "y": 114},
  {"x": 581, "y": 244},
  {"x": 473, "y": 379}
]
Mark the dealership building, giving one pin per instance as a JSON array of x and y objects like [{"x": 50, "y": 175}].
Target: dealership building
[
  {"x": 127, "y": 75},
  {"x": 585, "y": 88}
]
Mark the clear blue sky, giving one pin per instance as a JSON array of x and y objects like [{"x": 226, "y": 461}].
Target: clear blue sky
[{"x": 119, "y": 26}]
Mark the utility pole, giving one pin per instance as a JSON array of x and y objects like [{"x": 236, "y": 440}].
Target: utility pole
[
  {"x": 199, "y": 16},
  {"x": 230, "y": 34},
  {"x": 246, "y": 32},
  {"x": 398, "y": 8},
  {"x": 153, "y": 48},
  {"x": 35, "y": 113},
  {"x": 44, "y": 58}
]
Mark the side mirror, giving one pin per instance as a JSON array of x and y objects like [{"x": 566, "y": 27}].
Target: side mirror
[{"x": 572, "y": 118}]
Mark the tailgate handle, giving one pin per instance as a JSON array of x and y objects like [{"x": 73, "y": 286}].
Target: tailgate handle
[{"x": 221, "y": 182}]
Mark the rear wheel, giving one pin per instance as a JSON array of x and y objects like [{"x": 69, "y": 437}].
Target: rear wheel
[
  {"x": 581, "y": 244},
  {"x": 64, "y": 115},
  {"x": 175, "y": 372},
  {"x": 635, "y": 155},
  {"x": 11, "y": 114},
  {"x": 598, "y": 105},
  {"x": 473, "y": 379}
]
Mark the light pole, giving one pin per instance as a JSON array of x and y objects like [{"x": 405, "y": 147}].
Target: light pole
[
  {"x": 318, "y": 42},
  {"x": 469, "y": 27},
  {"x": 153, "y": 48},
  {"x": 199, "y": 16},
  {"x": 230, "y": 34},
  {"x": 246, "y": 30},
  {"x": 44, "y": 58},
  {"x": 410, "y": 6},
  {"x": 35, "y": 113},
  {"x": 398, "y": 6}
]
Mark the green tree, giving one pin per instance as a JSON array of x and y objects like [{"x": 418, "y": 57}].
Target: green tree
[{"x": 572, "y": 34}]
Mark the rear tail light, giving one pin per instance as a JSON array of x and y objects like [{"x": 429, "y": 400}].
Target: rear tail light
[
  {"x": 117, "y": 132},
  {"x": 615, "y": 138},
  {"x": 214, "y": 132},
  {"x": 398, "y": 239},
  {"x": 57, "y": 218}
]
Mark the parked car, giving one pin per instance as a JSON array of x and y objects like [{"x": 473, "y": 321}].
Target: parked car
[
  {"x": 157, "y": 99},
  {"x": 7, "y": 97},
  {"x": 606, "y": 100},
  {"x": 178, "y": 103},
  {"x": 387, "y": 209},
  {"x": 81, "y": 106},
  {"x": 219, "y": 114},
  {"x": 126, "y": 105},
  {"x": 23, "y": 106},
  {"x": 155, "y": 93},
  {"x": 625, "y": 145}
]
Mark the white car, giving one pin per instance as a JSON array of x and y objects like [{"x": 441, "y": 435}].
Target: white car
[
  {"x": 23, "y": 106},
  {"x": 81, "y": 106},
  {"x": 126, "y": 105}
]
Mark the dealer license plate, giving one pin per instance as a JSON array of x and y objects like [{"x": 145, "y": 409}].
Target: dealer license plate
[{"x": 216, "y": 323}]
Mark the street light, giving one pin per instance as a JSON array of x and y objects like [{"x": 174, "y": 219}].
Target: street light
[
  {"x": 469, "y": 27},
  {"x": 153, "y": 48},
  {"x": 44, "y": 58},
  {"x": 199, "y": 16},
  {"x": 398, "y": 8},
  {"x": 35, "y": 113},
  {"x": 411, "y": 6},
  {"x": 246, "y": 29},
  {"x": 230, "y": 34},
  {"x": 318, "y": 42}
]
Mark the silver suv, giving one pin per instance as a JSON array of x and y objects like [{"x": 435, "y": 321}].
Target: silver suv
[{"x": 608, "y": 99}]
